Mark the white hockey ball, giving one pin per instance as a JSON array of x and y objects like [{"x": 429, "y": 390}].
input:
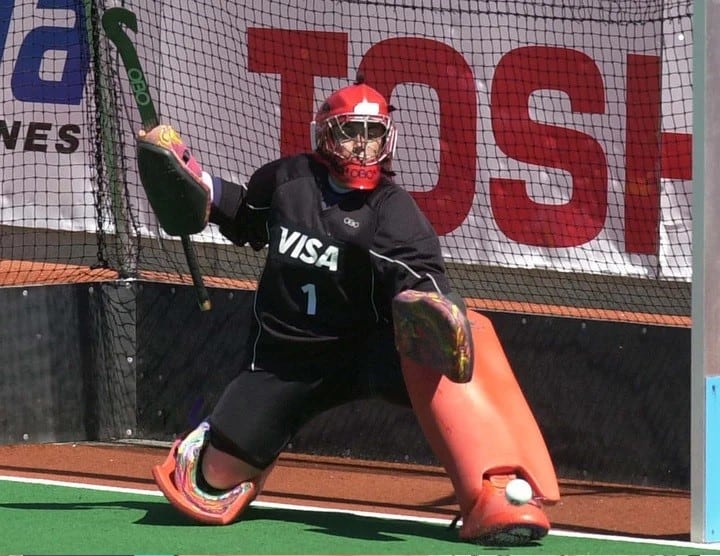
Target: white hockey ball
[{"x": 518, "y": 492}]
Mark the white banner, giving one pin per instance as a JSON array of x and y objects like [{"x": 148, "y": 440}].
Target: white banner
[{"x": 532, "y": 136}]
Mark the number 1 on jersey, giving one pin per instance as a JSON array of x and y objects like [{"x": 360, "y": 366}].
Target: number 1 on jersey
[{"x": 309, "y": 290}]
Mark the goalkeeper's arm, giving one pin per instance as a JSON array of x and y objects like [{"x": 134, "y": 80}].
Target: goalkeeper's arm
[
  {"x": 241, "y": 211},
  {"x": 235, "y": 218}
]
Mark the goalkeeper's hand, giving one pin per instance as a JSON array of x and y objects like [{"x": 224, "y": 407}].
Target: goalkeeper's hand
[{"x": 179, "y": 192}]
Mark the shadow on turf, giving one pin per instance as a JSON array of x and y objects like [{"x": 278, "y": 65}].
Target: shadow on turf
[{"x": 324, "y": 523}]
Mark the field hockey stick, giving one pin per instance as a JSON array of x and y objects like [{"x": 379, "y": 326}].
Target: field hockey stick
[{"x": 112, "y": 21}]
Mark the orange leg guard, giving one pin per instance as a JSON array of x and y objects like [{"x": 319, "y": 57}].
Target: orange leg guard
[
  {"x": 176, "y": 481},
  {"x": 481, "y": 430}
]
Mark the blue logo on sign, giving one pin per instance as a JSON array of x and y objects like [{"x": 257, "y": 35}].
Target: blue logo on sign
[{"x": 27, "y": 83}]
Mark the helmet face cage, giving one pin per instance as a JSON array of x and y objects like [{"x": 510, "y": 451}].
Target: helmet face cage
[
  {"x": 358, "y": 139},
  {"x": 355, "y": 135}
]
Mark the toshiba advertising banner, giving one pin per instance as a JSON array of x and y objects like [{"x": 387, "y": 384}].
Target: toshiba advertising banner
[{"x": 533, "y": 136}]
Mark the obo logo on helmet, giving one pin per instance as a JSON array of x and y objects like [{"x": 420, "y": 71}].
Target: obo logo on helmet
[{"x": 361, "y": 172}]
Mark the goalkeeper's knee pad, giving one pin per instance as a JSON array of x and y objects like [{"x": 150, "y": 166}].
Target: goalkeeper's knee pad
[{"x": 482, "y": 431}]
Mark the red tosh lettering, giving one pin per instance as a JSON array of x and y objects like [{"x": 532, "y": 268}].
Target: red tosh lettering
[
  {"x": 324, "y": 54},
  {"x": 521, "y": 218},
  {"x": 519, "y": 73}
]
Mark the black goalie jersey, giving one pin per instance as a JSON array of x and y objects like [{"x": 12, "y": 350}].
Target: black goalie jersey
[{"x": 334, "y": 260}]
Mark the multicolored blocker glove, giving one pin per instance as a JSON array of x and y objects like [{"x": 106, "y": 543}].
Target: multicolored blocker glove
[{"x": 178, "y": 190}]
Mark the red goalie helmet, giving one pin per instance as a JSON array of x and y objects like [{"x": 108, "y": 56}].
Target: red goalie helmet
[{"x": 354, "y": 133}]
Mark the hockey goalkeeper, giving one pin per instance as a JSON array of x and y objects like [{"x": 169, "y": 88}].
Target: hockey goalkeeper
[{"x": 354, "y": 302}]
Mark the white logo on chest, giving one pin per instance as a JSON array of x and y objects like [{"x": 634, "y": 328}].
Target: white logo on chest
[{"x": 309, "y": 250}]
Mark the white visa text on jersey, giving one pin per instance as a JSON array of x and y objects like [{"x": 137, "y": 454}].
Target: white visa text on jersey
[{"x": 308, "y": 250}]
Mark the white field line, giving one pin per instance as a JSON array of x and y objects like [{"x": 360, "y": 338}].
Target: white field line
[{"x": 379, "y": 515}]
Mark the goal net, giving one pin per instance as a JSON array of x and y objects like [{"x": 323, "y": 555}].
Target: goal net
[{"x": 548, "y": 143}]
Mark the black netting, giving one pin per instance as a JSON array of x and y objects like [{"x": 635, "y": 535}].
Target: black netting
[{"x": 548, "y": 142}]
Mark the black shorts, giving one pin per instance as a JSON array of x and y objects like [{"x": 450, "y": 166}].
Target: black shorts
[{"x": 260, "y": 411}]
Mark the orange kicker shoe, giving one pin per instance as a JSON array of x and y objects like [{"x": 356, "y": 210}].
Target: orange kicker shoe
[
  {"x": 494, "y": 521},
  {"x": 176, "y": 478}
]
